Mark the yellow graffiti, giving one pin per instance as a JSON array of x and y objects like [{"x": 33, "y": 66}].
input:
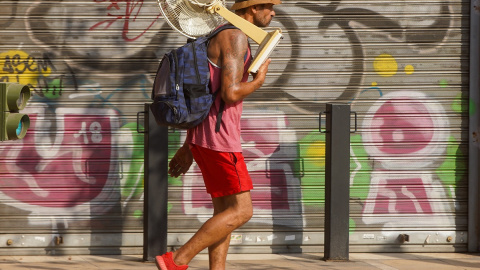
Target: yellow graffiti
[
  {"x": 385, "y": 65},
  {"x": 317, "y": 150},
  {"x": 19, "y": 66},
  {"x": 409, "y": 69}
]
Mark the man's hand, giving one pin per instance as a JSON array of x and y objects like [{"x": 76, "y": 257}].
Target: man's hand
[
  {"x": 181, "y": 162},
  {"x": 262, "y": 71}
]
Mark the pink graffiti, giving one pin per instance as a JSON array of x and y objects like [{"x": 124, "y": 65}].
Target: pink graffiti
[
  {"x": 271, "y": 178},
  {"x": 127, "y": 11},
  {"x": 403, "y": 126},
  {"x": 72, "y": 170},
  {"x": 260, "y": 140},
  {"x": 402, "y": 196}
]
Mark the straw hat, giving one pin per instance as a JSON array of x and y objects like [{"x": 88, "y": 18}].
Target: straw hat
[{"x": 239, "y": 4}]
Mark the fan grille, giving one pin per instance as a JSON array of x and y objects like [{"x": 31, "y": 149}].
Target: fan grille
[{"x": 189, "y": 17}]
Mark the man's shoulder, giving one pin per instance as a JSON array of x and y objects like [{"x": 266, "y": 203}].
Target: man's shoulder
[
  {"x": 226, "y": 42},
  {"x": 232, "y": 35}
]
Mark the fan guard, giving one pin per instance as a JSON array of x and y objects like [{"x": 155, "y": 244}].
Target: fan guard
[{"x": 189, "y": 17}]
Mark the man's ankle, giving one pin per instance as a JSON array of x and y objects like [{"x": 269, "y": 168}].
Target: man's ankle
[{"x": 175, "y": 259}]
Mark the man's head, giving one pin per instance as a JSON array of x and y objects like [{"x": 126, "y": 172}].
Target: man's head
[
  {"x": 261, "y": 10},
  {"x": 241, "y": 4}
]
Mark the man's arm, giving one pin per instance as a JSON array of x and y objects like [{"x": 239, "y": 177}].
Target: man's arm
[{"x": 233, "y": 46}]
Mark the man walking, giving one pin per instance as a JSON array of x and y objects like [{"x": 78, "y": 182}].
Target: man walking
[{"x": 219, "y": 154}]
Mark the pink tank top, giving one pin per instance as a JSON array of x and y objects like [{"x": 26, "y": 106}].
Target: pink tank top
[{"x": 228, "y": 138}]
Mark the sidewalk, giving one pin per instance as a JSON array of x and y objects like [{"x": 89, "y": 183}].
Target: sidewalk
[{"x": 358, "y": 261}]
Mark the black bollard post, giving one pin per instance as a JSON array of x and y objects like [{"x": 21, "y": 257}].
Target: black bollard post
[
  {"x": 337, "y": 181},
  {"x": 155, "y": 187}
]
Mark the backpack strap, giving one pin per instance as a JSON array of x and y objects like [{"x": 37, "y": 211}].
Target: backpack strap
[
  {"x": 220, "y": 29},
  {"x": 219, "y": 115}
]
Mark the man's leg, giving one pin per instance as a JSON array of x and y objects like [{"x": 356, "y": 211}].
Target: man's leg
[
  {"x": 217, "y": 253},
  {"x": 215, "y": 232}
]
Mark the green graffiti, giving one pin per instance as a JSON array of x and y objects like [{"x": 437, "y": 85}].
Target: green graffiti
[
  {"x": 311, "y": 169},
  {"x": 459, "y": 105},
  {"x": 352, "y": 226},
  {"x": 132, "y": 160},
  {"x": 360, "y": 169},
  {"x": 443, "y": 83},
  {"x": 131, "y": 144},
  {"x": 454, "y": 169},
  {"x": 138, "y": 213},
  {"x": 53, "y": 89},
  {"x": 311, "y": 153}
]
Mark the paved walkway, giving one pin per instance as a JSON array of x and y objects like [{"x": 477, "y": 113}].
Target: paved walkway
[{"x": 358, "y": 261}]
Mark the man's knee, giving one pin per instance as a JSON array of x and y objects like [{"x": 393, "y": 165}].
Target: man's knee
[
  {"x": 241, "y": 214},
  {"x": 239, "y": 207},
  {"x": 239, "y": 217},
  {"x": 244, "y": 212},
  {"x": 247, "y": 213}
]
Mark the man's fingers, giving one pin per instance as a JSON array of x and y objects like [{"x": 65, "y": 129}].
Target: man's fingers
[
  {"x": 178, "y": 165},
  {"x": 266, "y": 63},
  {"x": 174, "y": 172},
  {"x": 176, "y": 169}
]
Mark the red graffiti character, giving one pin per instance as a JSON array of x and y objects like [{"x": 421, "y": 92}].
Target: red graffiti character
[{"x": 65, "y": 169}]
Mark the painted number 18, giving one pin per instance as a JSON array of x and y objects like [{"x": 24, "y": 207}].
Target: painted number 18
[{"x": 94, "y": 130}]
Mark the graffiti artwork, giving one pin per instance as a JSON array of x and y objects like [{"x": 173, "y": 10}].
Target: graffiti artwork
[
  {"x": 401, "y": 65},
  {"x": 53, "y": 180}
]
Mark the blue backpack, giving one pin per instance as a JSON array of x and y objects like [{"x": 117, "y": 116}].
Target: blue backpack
[{"x": 181, "y": 94}]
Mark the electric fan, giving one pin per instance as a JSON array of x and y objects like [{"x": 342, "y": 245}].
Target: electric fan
[{"x": 195, "y": 18}]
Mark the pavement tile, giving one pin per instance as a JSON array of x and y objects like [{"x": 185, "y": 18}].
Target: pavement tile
[
  {"x": 9, "y": 266},
  {"x": 463, "y": 264},
  {"x": 419, "y": 264},
  {"x": 358, "y": 261},
  {"x": 198, "y": 266},
  {"x": 381, "y": 256}
]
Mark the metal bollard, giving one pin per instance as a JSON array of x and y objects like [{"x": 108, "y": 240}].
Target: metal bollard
[
  {"x": 155, "y": 187},
  {"x": 337, "y": 181}
]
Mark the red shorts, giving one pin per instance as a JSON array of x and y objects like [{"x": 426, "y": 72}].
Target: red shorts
[{"x": 224, "y": 173}]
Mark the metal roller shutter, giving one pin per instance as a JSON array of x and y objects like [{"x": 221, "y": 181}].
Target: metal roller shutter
[{"x": 74, "y": 184}]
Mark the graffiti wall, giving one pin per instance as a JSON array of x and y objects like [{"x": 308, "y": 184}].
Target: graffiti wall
[{"x": 75, "y": 183}]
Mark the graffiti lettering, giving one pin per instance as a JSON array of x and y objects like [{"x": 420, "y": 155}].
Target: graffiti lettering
[
  {"x": 24, "y": 68},
  {"x": 129, "y": 14},
  {"x": 16, "y": 63}
]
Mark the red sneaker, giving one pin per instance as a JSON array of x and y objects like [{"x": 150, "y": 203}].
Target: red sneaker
[{"x": 165, "y": 262}]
